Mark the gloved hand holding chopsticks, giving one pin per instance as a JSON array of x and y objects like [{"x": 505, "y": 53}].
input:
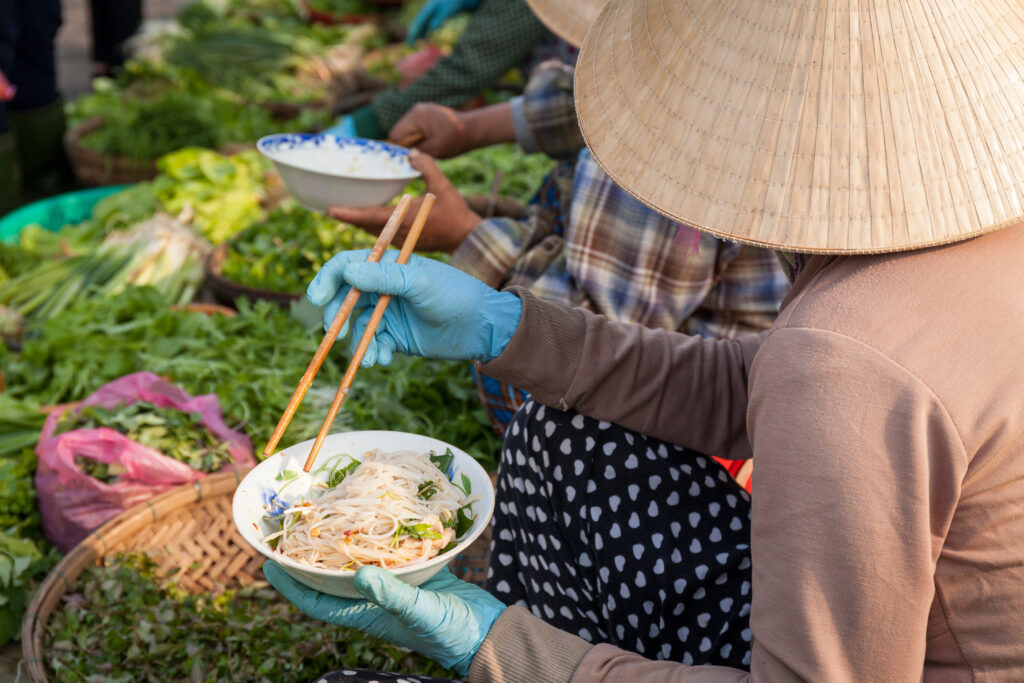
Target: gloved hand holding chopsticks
[
  {"x": 437, "y": 311},
  {"x": 445, "y": 618}
]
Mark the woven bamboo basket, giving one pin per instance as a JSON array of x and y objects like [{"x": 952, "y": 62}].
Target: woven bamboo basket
[
  {"x": 228, "y": 291},
  {"x": 93, "y": 168},
  {"x": 188, "y": 528}
]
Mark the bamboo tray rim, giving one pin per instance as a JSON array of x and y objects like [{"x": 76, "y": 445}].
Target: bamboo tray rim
[{"x": 99, "y": 544}]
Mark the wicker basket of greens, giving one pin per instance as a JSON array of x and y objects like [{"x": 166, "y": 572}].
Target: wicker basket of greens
[
  {"x": 170, "y": 591},
  {"x": 86, "y": 145},
  {"x": 276, "y": 258}
]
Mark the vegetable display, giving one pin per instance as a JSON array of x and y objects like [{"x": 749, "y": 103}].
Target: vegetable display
[
  {"x": 251, "y": 361},
  {"x": 20, "y": 560},
  {"x": 342, "y": 8},
  {"x": 85, "y": 304},
  {"x": 473, "y": 173},
  {"x": 178, "y": 435},
  {"x": 159, "y": 252},
  {"x": 285, "y": 251},
  {"x": 124, "y": 622}
]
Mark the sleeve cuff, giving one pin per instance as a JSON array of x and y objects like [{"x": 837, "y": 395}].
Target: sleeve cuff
[
  {"x": 489, "y": 252},
  {"x": 366, "y": 123},
  {"x": 544, "y": 354},
  {"x": 524, "y": 136},
  {"x": 521, "y": 647}
]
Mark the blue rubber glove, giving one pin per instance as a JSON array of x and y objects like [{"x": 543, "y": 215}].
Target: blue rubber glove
[
  {"x": 434, "y": 13},
  {"x": 345, "y": 127},
  {"x": 437, "y": 311},
  {"x": 445, "y": 618}
]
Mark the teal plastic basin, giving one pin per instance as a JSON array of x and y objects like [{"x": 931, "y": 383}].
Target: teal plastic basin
[{"x": 53, "y": 213}]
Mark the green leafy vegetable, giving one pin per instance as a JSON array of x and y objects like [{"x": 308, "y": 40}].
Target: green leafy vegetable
[
  {"x": 473, "y": 173},
  {"x": 176, "y": 434},
  {"x": 285, "y": 251},
  {"x": 443, "y": 462},
  {"x": 153, "y": 128},
  {"x": 125, "y": 622},
  {"x": 419, "y": 531},
  {"x": 20, "y": 560},
  {"x": 251, "y": 361},
  {"x": 339, "y": 474},
  {"x": 427, "y": 490}
]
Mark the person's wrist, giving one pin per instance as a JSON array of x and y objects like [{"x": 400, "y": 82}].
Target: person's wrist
[
  {"x": 489, "y": 125},
  {"x": 475, "y": 133},
  {"x": 502, "y": 314}
]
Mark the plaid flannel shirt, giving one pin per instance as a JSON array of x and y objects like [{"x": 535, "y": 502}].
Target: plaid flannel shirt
[{"x": 616, "y": 256}]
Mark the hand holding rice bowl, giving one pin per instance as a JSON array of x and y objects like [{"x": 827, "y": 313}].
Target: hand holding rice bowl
[
  {"x": 278, "y": 484},
  {"x": 326, "y": 170}
]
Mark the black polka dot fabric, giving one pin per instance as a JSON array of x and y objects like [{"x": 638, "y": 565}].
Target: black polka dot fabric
[{"x": 623, "y": 539}]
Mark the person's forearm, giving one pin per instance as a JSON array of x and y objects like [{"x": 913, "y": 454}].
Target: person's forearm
[
  {"x": 490, "y": 125},
  {"x": 501, "y": 34},
  {"x": 642, "y": 379}
]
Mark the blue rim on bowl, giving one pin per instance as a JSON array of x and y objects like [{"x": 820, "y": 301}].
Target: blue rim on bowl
[
  {"x": 251, "y": 494},
  {"x": 270, "y": 146}
]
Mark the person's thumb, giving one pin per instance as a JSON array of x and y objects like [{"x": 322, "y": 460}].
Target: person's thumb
[
  {"x": 391, "y": 593},
  {"x": 437, "y": 182},
  {"x": 380, "y": 278}
]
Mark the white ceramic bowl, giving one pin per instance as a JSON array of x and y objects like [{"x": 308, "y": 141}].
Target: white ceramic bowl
[
  {"x": 249, "y": 504},
  {"x": 329, "y": 172}
]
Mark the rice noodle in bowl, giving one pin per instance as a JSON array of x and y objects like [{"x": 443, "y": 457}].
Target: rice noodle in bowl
[
  {"x": 278, "y": 484},
  {"x": 390, "y": 510}
]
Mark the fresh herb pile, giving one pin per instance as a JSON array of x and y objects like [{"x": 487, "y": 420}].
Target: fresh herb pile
[
  {"x": 211, "y": 81},
  {"x": 285, "y": 251},
  {"x": 23, "y": 558},
  {"x": 20, "y": 423},
  {"x": 20, "y": 562},
  {"x": 124, "y": 622},
  {"x": 176, "y": 434},
  {"x": 473, "y": 173},
  {"x": 149, "y": 129},
  {"x": 251, "y": 362},
  {"x": 343, "y": 8}
]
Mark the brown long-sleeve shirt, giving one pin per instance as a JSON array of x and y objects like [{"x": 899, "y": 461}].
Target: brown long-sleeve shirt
[{"x": 885, "y": 411}]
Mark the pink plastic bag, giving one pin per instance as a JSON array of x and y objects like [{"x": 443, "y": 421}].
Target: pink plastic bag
[{"x": 74, "y": 504}]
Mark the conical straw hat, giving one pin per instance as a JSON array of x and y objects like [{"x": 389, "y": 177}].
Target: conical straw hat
[
  {"x": 568, "y": 19},
  {"x": 853, "y": 126}
]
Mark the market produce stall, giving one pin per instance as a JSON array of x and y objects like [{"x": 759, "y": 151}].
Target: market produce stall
[{"x": 101, "y": 284}]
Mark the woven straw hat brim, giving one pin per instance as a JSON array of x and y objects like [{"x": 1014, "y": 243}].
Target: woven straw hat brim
[
  {"x": 568, "y": 19},
  {"x": 812, "y": 126}
]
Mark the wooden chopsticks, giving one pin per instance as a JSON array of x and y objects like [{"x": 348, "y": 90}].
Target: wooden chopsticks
[
  {"x": 410, "y": 139},
  {"x": 378, "y": 312},
  {"x": 383, "y": 241}
]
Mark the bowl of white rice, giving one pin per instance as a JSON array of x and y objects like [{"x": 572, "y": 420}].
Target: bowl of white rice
[{"x": 327, "y": 170}]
